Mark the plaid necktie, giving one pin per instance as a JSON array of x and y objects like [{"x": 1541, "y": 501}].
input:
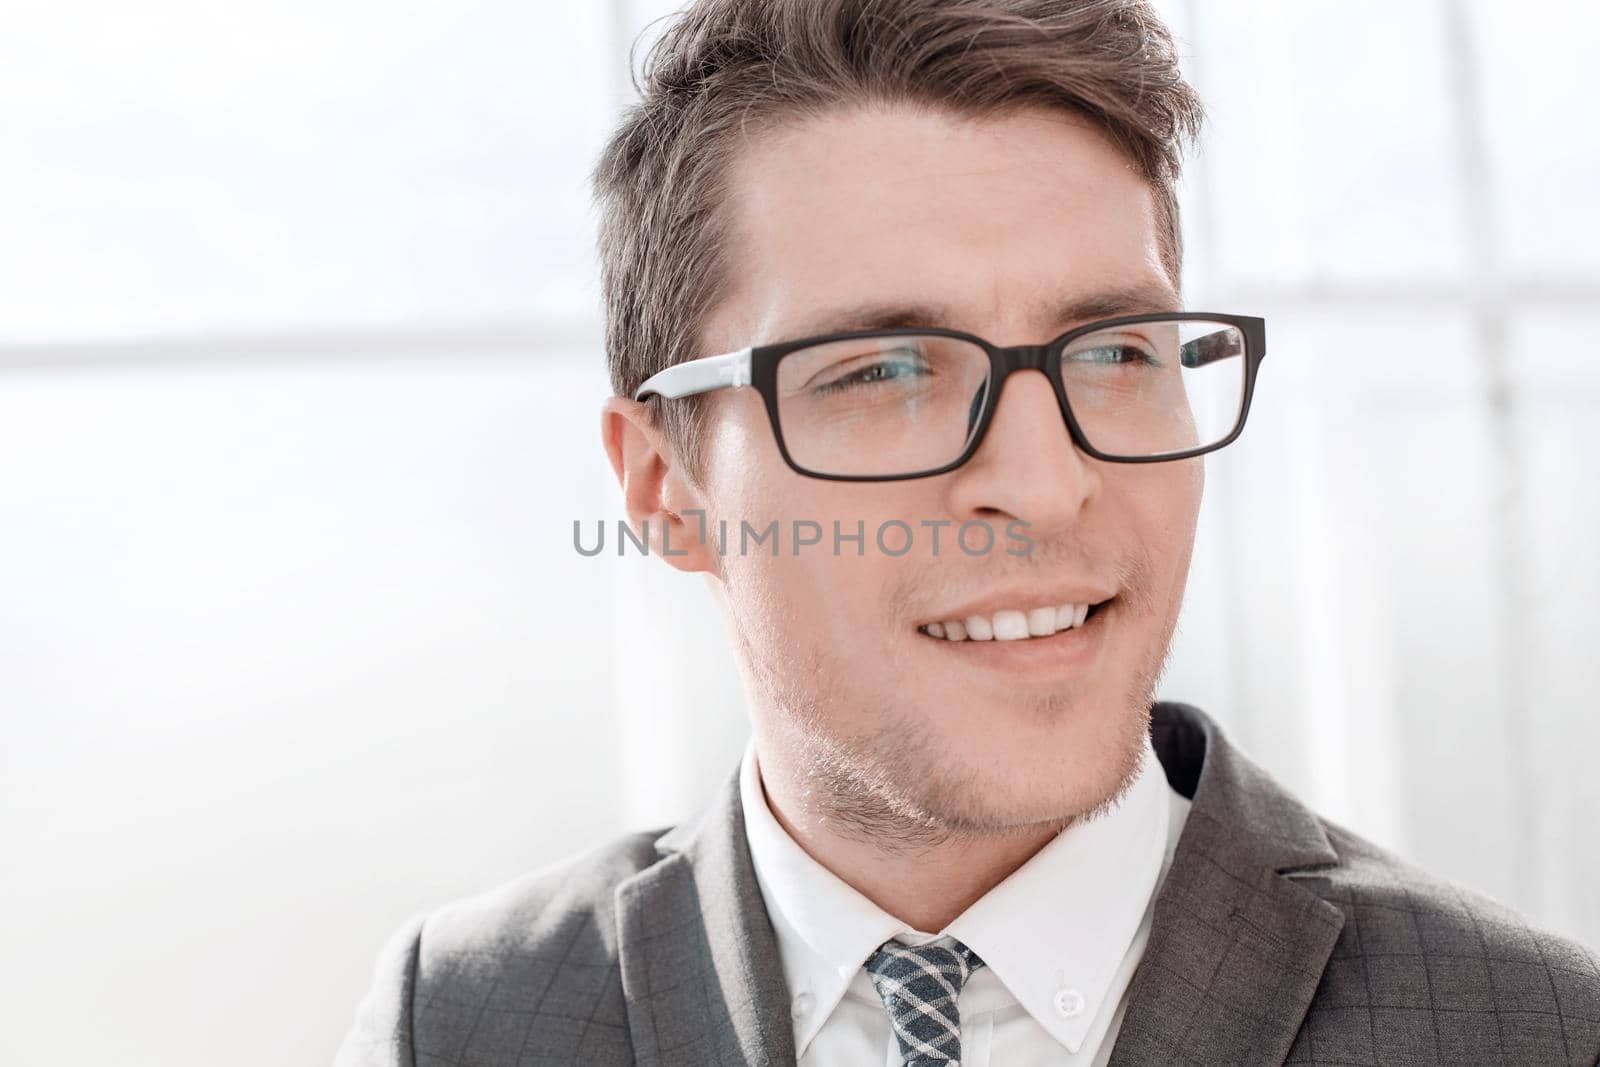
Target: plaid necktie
[{"x": 920, "y": 986}]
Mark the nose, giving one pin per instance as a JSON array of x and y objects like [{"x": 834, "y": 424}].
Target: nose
[{"x": 1027, "y": 467}]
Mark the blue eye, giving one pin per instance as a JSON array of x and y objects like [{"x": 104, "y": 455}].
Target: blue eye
[
  {"x": 911, "y": 365},
  {"x": 1120, "y": 354}
]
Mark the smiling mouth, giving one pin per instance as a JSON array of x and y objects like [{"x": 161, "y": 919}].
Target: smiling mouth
[{"x": 1015, "y": 624}]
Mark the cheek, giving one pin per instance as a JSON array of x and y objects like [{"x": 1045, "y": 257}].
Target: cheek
[
  {"x": 1193, "y": 489},
  {"x": 1159, "y": 508},
  {"x": 1179, "y": 506},
  {"x": 1169, "y": 492},
  {"x": 812, "y": 596},
  {"x": 819, "y": 604},
  {"x": 1176, "y": 498}
]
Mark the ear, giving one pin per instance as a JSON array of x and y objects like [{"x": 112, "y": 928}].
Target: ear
[{"x": 655, "y": 493}]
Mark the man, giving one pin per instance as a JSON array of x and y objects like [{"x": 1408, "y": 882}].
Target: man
[{"x": 913, "y": 266}]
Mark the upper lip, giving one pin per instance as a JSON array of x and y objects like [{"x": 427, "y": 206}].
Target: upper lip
[{"x": 1024, "y": 598}]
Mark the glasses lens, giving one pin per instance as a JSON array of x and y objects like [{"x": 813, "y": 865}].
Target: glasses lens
[
  {"x": 1154, "y": 388},
  {"x": 881, "y": 405}
]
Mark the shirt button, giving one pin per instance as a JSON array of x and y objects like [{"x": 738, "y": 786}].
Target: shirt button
[
  {"x": 1069, "y": 1002},
  {"x": 801, "y": 1005}
]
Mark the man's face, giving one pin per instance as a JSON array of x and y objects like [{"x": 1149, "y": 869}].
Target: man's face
[{"x": 1001, "y": 221}]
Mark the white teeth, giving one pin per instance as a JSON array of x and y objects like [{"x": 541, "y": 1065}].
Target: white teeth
[{"x": 1011, "y": 625}]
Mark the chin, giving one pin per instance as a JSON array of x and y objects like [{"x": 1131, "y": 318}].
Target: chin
[{"x": 1028, "y": 770}]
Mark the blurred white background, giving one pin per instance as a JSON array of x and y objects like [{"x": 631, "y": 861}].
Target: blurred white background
[{"x": 300, "y": 366}]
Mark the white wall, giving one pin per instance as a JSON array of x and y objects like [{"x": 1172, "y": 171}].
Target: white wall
[{"x": 299, "y": 374}]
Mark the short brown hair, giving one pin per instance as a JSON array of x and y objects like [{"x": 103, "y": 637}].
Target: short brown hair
[{"x": 725, "y": 67}]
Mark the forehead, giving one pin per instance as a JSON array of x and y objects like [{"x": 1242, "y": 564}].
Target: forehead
[{"x": 1002, "y": 221}]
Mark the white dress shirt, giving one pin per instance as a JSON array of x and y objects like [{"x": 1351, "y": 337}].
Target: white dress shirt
[{"x": 1060, "y": 937}]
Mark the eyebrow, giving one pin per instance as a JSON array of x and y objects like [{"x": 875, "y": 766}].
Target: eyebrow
[{"x": 878, "y": 315}]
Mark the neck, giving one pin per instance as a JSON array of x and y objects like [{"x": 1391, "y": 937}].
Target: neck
[{"x": 925, "y": 883}]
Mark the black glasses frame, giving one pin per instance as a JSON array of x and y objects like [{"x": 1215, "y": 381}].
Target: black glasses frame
[{"x": 1003, "y": 361}]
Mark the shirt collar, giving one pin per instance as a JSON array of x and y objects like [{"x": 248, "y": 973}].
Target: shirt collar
[{"x": 1063, "y": 920}]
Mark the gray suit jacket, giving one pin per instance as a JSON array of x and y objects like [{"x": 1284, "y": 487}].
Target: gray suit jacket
[{"x": 1278, "y": 937}]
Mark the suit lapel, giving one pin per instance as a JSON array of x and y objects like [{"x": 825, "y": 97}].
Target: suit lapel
[
  {"x": 700, "y": 968},
  {"x": 1236, "y": 948}
]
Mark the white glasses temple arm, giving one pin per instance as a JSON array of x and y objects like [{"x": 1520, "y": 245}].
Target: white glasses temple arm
[{"x": 729, "y": 370}]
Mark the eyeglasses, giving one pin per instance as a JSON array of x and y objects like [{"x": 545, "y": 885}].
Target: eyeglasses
[{"x": 884, "y": 405}]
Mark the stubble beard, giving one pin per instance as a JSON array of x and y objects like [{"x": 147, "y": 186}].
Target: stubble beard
[{"x": 891, "y": 786}]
